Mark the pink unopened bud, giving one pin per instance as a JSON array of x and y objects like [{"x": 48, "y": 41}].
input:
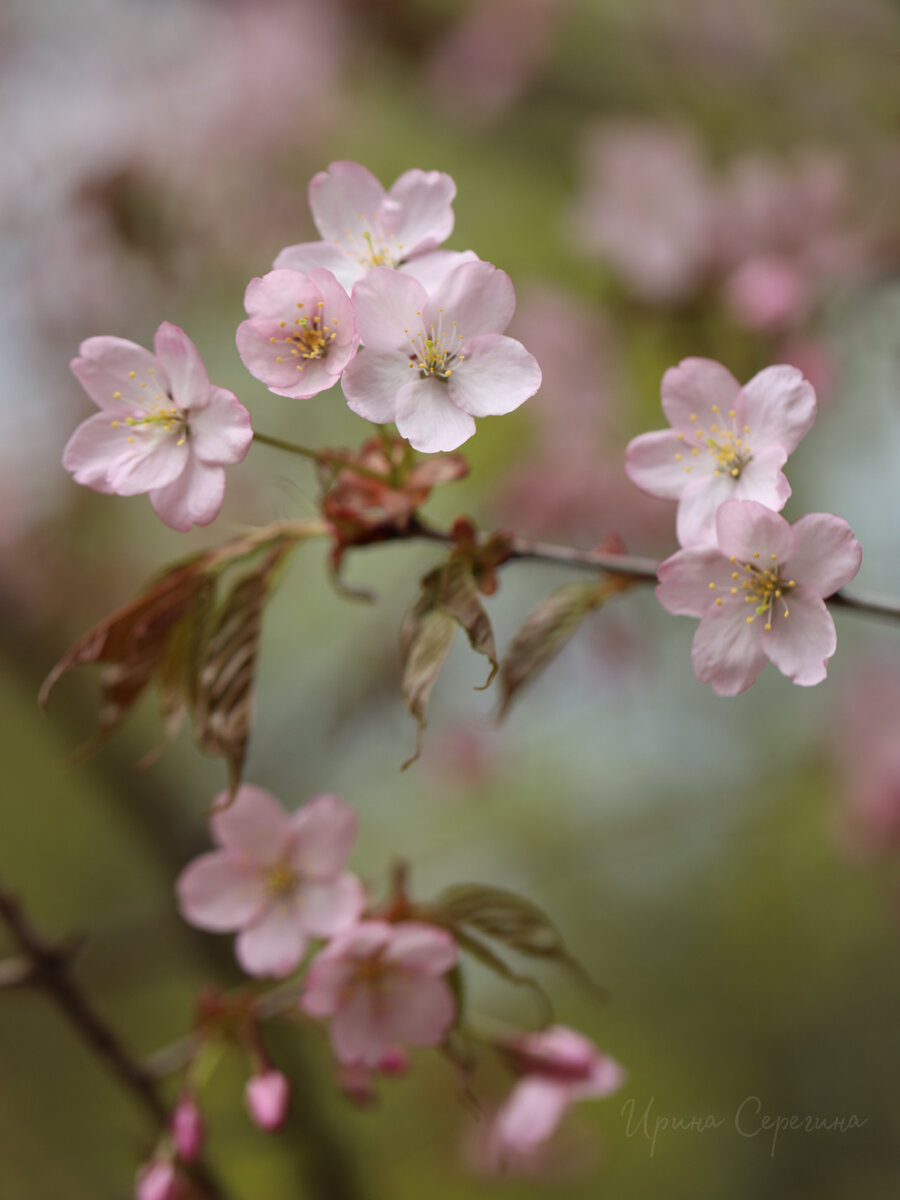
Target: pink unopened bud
[
  {"x": 267, "y": 1096},
  {"x": 158, "y": 1180},
  {"x": 188, "y": 1130},
  {"x": 395, "y": 1062}
]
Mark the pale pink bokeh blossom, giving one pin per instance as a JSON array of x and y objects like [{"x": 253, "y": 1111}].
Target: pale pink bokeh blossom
[
  {"x": 278, "y": 878},
  {"x": 783, "y": 573},
  {"x": 363, "y": 226},
  {"x": 300, "y": 332},
  {"x": 267, "y": 1096},
  {"x": 557, "y": 1068},
  {"x": 726, "y": 442},
  {"x": 163, "y": 428},
  {"x": 382, "y": 986},
  {"x": 159, "y": 1180},
  {"x": 432, "y": 363}
]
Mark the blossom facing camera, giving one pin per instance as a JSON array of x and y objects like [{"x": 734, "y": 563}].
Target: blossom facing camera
[
  {"x": 163, "y": 428},
  {"x": 268, "y": 1097},
  {"x": 432, "y": 363},
  {"x": 300, "y": 332},
  {"x": 382, "y": 986},
  {"x": 557, "y": 1068},
  {"x": 278, "y": 878},
  {"x": 727, "y": 442},
  {"x": 760, "y": 595},
  {"x": 363, "y": 226}
]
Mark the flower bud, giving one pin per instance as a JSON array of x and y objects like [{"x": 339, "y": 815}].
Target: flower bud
[
  {"x": 157, "y": 1180},
  {"x": 267, "y": 1096},
  {"x": 188, "y": 1131}
]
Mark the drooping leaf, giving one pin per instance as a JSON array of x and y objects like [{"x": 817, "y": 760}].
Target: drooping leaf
[
  {"x": 544, "y": 633},
  {"x": 448, "y": 598}
]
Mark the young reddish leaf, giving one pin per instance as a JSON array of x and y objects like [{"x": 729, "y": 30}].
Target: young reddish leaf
[
  {"x": 449, "y": 598},
  {"x": 545, "y": 632}
]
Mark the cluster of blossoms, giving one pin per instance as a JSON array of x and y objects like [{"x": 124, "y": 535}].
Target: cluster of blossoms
[
  {"x": 721, "y": 460},
  {"x": 382, "y": 981}
]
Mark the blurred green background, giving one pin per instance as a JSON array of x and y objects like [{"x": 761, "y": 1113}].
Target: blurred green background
[{"x": 709, "y": 861}]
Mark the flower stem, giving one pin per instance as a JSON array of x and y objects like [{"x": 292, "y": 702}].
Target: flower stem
[{"x": 323, "y": 457}]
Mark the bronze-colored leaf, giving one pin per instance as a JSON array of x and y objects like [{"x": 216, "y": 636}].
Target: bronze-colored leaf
[
  {"x": 449, "y": 598},
  {"x": 544, "y": 633}
]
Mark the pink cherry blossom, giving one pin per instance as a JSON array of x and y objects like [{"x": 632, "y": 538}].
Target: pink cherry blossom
[
  {"x": 162, "y": 428},
  {"x": 726, "y": 442},
  {"x": 158, "y": 1180},
  {"x": 277, "y": 879},
  {"x": 188, "y": 1131},
  {"x": 382, "y": 986},
  {"x": 432, "y": 363},
  {"x": 557, "y": 1068},
  {"x": 301, "y": 331},
  {"x": 783, "y": 572},
  {"x": 363, "y": 226},
  {"x": 268, "y": 1097}
]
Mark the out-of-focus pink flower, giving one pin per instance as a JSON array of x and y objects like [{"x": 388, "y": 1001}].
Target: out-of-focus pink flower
[
  {"x": 646, "y": 208},
  {"x": 783, "y": 572},
  {"x": 382, "y": 986},
  {"x": 268, "y": 1096},
  {"x": 431, "y": 364},
  {"x": 158, "y": 1180},
  {"x": 278, "y": 878},
  {"x": 485, "y": 63},
  {"x": 557, "y": 1068},
  {"x": 767, "y": 293},
  {"x": 162, "y": 428},
  {"x": 188, "y": 1132},
  {"x": 726, "y": 442},
  {"x": 363, "y": 226},
  {"x": 301, "y": 331}
]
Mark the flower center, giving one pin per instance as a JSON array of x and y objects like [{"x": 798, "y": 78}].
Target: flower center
[
  {"x": 728, "y": 446},
  {"x": 435, "y": 350},
  {"x": 281, "y": 880},
  {"x": 310, "y": 338},
  {"x": 161, "y": 413},
  {"x": 761, "y": 586}
]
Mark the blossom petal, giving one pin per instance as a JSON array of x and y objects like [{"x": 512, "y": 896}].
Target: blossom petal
[
  {"x": 695, "y": 521},
  {"x": 154, "y": 458},
  {"x": 692, "y": 388},
  {"x": 654, "y": 462},
  {"x": 216, "y": 892},
  {"x": 432, "y": 268},
  {"x": 344, "y": 200},
  {"x": 389, "y": 306},
  {"x": 424, "y": 218},
  {"x": 361, "y": 1030},
  {"x": 273, "y": 945},
  {"x": 779, "y": 406},
  {"x": 498, "y": 375},
  {"x": 221, "y": 432},
  {"x": 827, "y": 555},
  {"x": 531, "y": 1114},
  {"x": 762, "y": 479},
  {"x": 478, "y": 296},
  {"x": 420, "y": 1010},
  {"x": 428, "y": 418},
  {"x": 332, "y": 969},
  {"x": 749, "y": 531},
  {"x": 254, "y": 825},
  {"x": 95, "y": 445},
  {"x": 332, "y": 255},
  {"x": 194, "y": 498},
  {"x": 692, "y": 580},
  {"x": 324, "y": 831},
  {"x": 800, "y": 645},
  {"x": 104, "y": 369},
  {"x": 371, "y": 383},
  {"x": 727, "y": 651},
  {"x": 331, "y": 907},
  {"x": 422, "y": 948},
  {"x": 184, "y": 366}
]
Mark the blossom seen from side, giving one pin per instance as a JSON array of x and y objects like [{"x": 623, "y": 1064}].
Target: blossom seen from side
[
  {"x": 433, "y": 363},
  {"x": 163, "y": 428},
  {"x": 277, "y": 879},
  {"x": 726, "y": 442},
  {"x": 381, "y": 986},
  {"x": 557, "y": 1067},
  {"x": 363, "y": 226},
  {"x": 760, "y": 594},
  {"x": 300, "y": 332}
]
